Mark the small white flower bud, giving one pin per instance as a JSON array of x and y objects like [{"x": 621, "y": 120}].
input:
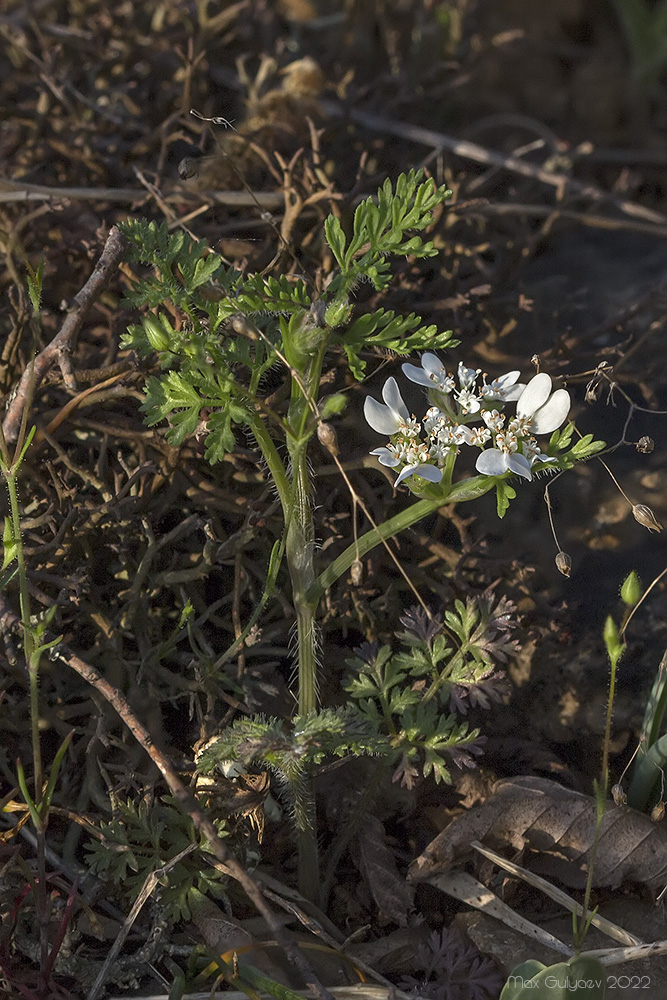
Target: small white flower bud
[
  {"x": 357, "y": 572},
  {"x": 563, "y": 563},
  {"x": 644, "y": 515}
]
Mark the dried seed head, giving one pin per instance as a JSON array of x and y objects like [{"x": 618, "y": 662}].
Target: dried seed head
[
  {"x": 658, "y": 813},
  {"x": 357, "y": 572},
  {"x": 645, "y": 516},
  {"x": 645, "y": 445},
  {"x": 563, "y": 563},
  {"x": 327, "y": 437},
  {"x": 618, "y": 795},
  {"x": 592, "y": 391}
]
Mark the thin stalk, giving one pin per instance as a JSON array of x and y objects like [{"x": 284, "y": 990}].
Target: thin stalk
[
  {"x": 32, "y": 662},
  {"x": 32, "y": 658},
  {"x": 600, "y": 801},
  {"x": 467, "y": 489}
]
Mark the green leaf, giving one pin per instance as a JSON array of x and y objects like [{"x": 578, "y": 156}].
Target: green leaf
[
  {"x": 504, "y": 493},
  {"x": 204, "y": 270},
  {"x": 220, "y": 440},
  {"x": 35, "y": 280},
  {"x": 335, "y": 237},
  {"x": 9, "y": 544},
  {"x": 560, "y": 439}
]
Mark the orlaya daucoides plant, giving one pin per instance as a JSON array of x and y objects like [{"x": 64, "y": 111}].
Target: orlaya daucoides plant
[{"x": 214, "y": 332}]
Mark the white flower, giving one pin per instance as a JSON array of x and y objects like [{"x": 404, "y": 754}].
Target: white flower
[
  {"x": 546, "y": 410},
  {"x": 431, "y": 374},
  {"x": 498, "y": 461},
  {"x": 468, "y": 401},
  {"x": 467, "y": 376},
  {"x": 434, "y": 420},
  {"x": 504, "y": 387},
  {"x": 539, "y": 411},
  {"x": 389, "y": 457},
  {"x": 493, "y": 419},
  {"x": 393, "y": 417}
]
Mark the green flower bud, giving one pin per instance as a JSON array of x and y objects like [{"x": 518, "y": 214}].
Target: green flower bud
[
  {"x": 156, "y": 335},
  {"x": 631, "y": 589},
  {"x": 338, "y": 313},
  {"x": 332, "y": 405}
]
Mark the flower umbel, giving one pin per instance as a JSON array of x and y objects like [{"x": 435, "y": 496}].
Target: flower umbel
[{"x": 423, "y": 449}]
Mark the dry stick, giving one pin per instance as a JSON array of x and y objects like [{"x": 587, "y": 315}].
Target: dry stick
[
  {"x": 480, "y": 154},
  {"x": 12, "y": 191},
  {"x": 10, "y": 622},
  {"x": 150, "y": 882},
  {"x": 63, "y": 341}
]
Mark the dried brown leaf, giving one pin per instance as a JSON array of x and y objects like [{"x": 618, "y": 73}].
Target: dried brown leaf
[{"x": 540, "y": 815}]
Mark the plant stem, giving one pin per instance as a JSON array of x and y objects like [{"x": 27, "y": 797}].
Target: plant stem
[
  {"x": 467, "y": 489},
  {"x": 32, "y": 658}
]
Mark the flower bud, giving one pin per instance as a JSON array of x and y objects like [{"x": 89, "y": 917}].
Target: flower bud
[
  {"x": 645, "y": 445},
  {"x": 156, "y": 335},
  {"x": 338, "y": 313},
  {"x": 631, "y": 589},
  {"x": 356, "y": 572},
  {"x": 645, "y": 516},
  {"x": 327, "y": 437},
  {"x": 563, "y": 563}
]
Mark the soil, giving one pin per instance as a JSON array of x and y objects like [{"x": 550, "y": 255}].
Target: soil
[{"x": 550, "y": 131}]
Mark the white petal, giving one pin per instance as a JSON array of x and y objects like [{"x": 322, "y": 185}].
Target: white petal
[
  {"x": 492, "y": 462},
  {"x": 514, "y": 392},
  {"x": 508, "y": 379},
  {"x": 425, "y": 471},
  {"x": 417, "y": 375},
  {"x": 380, "y": 417},
  {"x": 392, "y": 397},
  {"x": 519, "y": 463},
  {"x": 552, "y": 414},
  {"x": 534, "y": 395},
  {"x": 430, "y": 472},
  {"x": 432, "y": 364},
  {"x": 385, "y": 457}
]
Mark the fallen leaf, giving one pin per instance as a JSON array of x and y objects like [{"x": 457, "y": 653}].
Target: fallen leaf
[{"x": 542, "y": 816}]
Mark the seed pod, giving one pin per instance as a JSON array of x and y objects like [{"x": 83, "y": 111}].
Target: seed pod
[
  {"x": 658, "y": 813},
  {"x": 563, "y": 563},
  {"x": 327, "y": 437},
  {"x": 618, "y": 795},
  {"x": 645, "y": 445},
  {"x": 357, "y": 572},
  {"x": 645, "y": 516}
]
